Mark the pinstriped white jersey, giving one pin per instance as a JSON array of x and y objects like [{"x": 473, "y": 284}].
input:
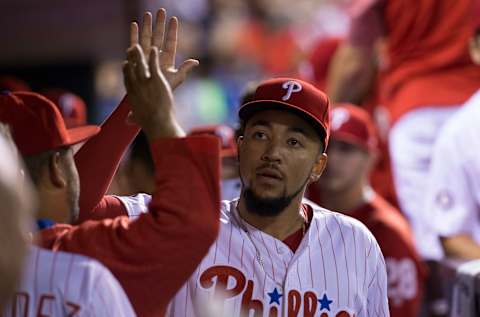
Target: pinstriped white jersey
[
  {"x": 65, "y": 284},
  {"x": 338, "y": 270}
]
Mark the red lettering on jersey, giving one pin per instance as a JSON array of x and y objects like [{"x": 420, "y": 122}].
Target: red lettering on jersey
[
  {"x": 248, "y": 303},
  {"x": 310, "y": 301},
  {"x": 223, "y": 273},
  {"x": 43, "y": 299},
  {"x": 294, "y": 303},
  {"x": 75, "y": 308},
  {"x": 23, "y": 304},
  {"x": 343, "y": 314},
  {"x": 324, "y": 315}
]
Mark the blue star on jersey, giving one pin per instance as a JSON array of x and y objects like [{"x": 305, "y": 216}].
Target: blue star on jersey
[
  {"x": 275, "y": 296},
  {"x": 325, "y": 302}
]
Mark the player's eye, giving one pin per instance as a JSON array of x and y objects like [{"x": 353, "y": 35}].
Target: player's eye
[
  {"x": 259, "y": 135},
  {"x": 293, "y": 142}
]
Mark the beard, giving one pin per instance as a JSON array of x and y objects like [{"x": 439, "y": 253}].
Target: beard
[{"x": 268, "y": 207}]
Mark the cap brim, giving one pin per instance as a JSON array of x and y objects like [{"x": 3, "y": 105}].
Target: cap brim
[
  {"x": 81, "y": 134},
  {"x": 247, "y": 110}
]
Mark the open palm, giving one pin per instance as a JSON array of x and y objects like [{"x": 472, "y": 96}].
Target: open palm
[{"x": 166, "y": 41}]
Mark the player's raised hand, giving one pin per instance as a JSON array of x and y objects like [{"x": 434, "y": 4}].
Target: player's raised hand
[
  {"x": 166, "y": 40},
  {"x": 149, "y": 94}
]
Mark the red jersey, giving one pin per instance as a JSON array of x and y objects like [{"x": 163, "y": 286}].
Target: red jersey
[{"x": 427, "y": 56}]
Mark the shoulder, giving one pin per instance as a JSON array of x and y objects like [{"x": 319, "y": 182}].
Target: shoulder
[
  {"x": 458, "y": 127},
  {"x": 344, "y": 224}
]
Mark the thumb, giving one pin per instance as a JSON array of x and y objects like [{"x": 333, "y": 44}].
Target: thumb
[{"x": 187, "y": 67}]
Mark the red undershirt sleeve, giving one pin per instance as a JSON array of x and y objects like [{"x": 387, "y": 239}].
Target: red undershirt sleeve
[
  {"x": 97, "y": 161},
  {"x": 153, "y": 256}
]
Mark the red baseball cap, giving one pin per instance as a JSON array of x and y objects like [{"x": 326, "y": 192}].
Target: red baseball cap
[
  {"x": 226, "y": 135},
  {"x": 37, "y": 125},
  {"x": 292, "y": 94},
  {"x": 353, "y": 125},
  {"x": 71, "y": 106}
]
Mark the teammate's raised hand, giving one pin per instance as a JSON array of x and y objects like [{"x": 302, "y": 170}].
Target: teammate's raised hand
[
  {"x": 166, "y": 41},
  {"x": 149, "y": 94}
]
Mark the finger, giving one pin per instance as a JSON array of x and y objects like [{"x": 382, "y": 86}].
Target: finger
[
  {"x": 133, "y": 34},
  {"x": 128, "y": 77},
  {"x": 137, "y": 60},
  {"x": 159, "y": 32},
  {"x": 187, "y": 67},
  {"x": 153, "y": 63},
  {"x": 170, "y": 47},
  {"x": 146, "y": 32}
]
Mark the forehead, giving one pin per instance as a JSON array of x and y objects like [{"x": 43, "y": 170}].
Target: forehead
[{"x": 281, "y": 118}]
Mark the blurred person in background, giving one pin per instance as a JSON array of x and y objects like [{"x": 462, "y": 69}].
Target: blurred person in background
[
  {"x": 315, "y": 68},
  {"x": 231, "y": 183},
  {"x": 71, "y": 106},
  {"x": 426, "y": 74},
  {"x": 453, "y": 191},
  {"x": 344, "y": 187}
]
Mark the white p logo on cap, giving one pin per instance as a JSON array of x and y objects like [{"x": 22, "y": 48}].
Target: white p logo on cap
[{"x": 291, "y": 86}]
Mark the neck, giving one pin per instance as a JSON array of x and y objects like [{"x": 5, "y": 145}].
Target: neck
[
  {"x": 344, "y": 201},
  {"x": 280, "y": 226}
]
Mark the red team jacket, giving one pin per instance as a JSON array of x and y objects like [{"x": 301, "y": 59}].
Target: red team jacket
[{"x": 144, "y": 254}]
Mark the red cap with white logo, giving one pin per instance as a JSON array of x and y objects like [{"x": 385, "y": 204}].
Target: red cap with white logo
[
  {"x": 295, "y": 95},
  {"x": 353, "y": 125}
]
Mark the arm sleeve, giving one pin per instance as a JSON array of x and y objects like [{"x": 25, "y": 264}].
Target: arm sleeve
[
  {"x": 377, "y": 298},
  {"x": 98, "y": 159},
  {"x": 366, "y": 24},
  {"x": 154, "y": 255}
]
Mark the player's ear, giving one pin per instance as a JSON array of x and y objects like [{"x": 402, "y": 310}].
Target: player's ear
[
  {"x": 56, "y": 170},
  {"x": 318, "y": 167}
]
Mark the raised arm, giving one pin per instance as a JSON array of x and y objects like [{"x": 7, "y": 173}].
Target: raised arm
[
  {"x": 153, "y": 256},
  {"x": 98, "y": 160}
]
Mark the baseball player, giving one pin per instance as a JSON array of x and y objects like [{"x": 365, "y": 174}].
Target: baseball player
[
  {"x": 52, "y": 283},
  {"x": 344, "y": 186},
  {"x": 452, "y": 195},
  {"x": 425, "y": 75},
  {"x": 187, "y": 177},
  {"x": 277, "y": 255}
]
